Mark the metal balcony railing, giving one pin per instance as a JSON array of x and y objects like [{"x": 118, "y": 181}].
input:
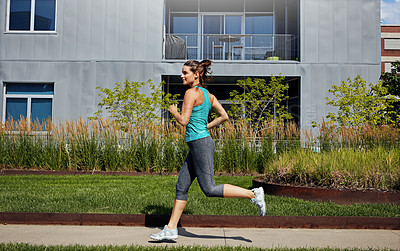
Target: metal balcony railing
[{"x": 230, "y": 46}]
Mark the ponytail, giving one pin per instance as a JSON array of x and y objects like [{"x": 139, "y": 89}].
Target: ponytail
[{"x": 203, "y": 68}]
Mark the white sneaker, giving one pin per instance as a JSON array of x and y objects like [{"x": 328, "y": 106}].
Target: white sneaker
[
  {"x": 259, "y": 199},
  {"x": 165, "y": 234}
]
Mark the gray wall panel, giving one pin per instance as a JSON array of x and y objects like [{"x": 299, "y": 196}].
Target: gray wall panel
[
  {"x": 325, "y": 31},
  {"x": 309, "y": 30},
  {"x": 94, "y": 30},
  {"x": 68, "y": 32},
  {"x": 40, "y": 50},
  {"x": 371, "y": 30},
  {"x": 355, "y": 30},
  {"x": 155, "y": 19},
  {"x": 111, "y": 38},
  {"x": 125, "y": 28},
  {"x": 27, "y": 47},
  {"x": 340, "y": 31},
  {"x": 309, "y": 109},
  {"x": 97, "y": 33},
  {"x": 83, "y": 27},
  {"x": 12, "y": 45},
  {"x": 140, "y": 31}
]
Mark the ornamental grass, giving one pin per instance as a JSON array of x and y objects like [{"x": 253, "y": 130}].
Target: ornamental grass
[{"x": 366, "y": 157}]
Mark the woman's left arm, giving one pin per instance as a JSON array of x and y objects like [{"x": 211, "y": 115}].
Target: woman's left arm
[{"x": 222, "y": 115}]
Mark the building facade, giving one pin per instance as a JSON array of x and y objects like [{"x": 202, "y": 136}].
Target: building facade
[
  {"x": 54, "y": 53},
  {"x": 390, "y": 46}
]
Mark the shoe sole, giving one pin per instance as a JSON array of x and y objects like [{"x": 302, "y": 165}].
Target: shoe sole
[
  {"x": 263, "y": 204},
  {"x": 164, "y": 238}
]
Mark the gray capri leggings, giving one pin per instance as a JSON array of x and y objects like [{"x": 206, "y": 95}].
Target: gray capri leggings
[{"x": 199, "y": 163}]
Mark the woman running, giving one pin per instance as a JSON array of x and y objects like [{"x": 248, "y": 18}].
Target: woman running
[{"x": 197, "y": 104}]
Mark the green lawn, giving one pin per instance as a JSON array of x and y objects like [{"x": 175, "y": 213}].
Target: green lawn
[
  {"x": 154, "y": 195},
  {"x": 17, "y": 247}
]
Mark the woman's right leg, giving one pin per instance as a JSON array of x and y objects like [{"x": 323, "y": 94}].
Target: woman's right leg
[
  {"x": 177, "y": 210},
  {"x": 185, "y": 179}
]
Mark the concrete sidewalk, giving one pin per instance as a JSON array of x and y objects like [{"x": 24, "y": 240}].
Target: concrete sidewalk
[{"x": 256, "y": 237}]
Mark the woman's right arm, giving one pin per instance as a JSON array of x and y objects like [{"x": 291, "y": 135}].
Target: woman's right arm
[
  {"x": 187, "y": 106},
  {"x": 222, "y": 115}
]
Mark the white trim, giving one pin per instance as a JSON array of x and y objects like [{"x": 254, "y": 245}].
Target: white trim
[
  {"x": 7, "y": 16},
  {"x": 390, "y": 35},
  {"x": 3, "y": 116},
  {"x": 28, "y": 96},
  {"x": 389, "y": 59},
  {"x": 33, "y": 5}
]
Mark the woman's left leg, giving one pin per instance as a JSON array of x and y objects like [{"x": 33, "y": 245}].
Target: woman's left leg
[
  {"x": 203, "y": 160},
  {"x": 231, "y": 191}
]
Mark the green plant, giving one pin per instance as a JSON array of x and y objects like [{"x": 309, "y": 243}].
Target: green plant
[
  {"x": 359, "y": 104},
  {"x": 259, "y": 101},
  {"x": 391, "y": 80},
  {"x": 126, "y": 102}
]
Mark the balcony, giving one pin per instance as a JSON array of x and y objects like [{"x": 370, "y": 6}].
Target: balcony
[{"x": 230, "y": 47}]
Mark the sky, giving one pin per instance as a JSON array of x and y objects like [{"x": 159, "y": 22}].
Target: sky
[{"x": 390, "y": 11}]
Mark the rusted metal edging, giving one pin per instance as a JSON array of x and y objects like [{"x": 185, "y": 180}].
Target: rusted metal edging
[
  {"x": 344, "y": 197},
  {"x": 213, "y": 221}
]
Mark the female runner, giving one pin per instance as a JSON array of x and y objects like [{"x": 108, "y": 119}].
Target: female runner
[{"x": 197, "y": 104}]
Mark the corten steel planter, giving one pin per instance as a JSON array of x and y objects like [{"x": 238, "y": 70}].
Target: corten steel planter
[
  {"x": 345, "y": 197},
  {"x": 66, "y": 172},
  {"x": 213, "y": 221}
]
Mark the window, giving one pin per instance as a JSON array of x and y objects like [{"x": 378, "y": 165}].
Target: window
[
  {"x": 31, "y": 15},
  {"x": 260, "y": 44},
  {"x": 185, "y": 25},
  {"x": 232, "y": 29},
  {"x": 31, "y": 101},
  {"x": 392, "y": 44}
]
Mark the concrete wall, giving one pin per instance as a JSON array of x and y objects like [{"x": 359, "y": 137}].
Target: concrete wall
[{"x": 92, "y": 30}]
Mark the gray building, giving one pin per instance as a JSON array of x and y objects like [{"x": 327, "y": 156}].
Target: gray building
[{"x": 54, "y": 53}]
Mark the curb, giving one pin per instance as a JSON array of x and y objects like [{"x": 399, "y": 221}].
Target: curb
[{"x": 211, "y": 221}]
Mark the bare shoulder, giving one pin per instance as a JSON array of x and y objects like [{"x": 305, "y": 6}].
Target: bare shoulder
[
  {"x": 212, "y": 98},
  {"x": 191, "y": 92}
]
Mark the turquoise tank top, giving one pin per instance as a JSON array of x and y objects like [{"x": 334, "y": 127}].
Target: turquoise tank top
[{"x": 197, "y": 126}]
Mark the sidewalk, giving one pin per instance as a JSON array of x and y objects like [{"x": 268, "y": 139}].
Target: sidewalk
[{"x": 256, "y": 237}]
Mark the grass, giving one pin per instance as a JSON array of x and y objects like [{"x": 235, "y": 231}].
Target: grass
[
  {"x": 22, "y": 246},
  {"x": 154, "y": 195}
]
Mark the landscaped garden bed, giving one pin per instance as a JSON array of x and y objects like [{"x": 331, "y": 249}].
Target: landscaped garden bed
[{"x": 345, "y": 158}]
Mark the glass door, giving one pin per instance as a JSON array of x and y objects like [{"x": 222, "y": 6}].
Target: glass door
[
  {"x": 183, "y": 40},
  {"x": 213, "y": 28},
  {"x": 221, "y": 32}
]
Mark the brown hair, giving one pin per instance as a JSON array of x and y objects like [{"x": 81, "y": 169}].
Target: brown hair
[{"x": 203, "y": 68}]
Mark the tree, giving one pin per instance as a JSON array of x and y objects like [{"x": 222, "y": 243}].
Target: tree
[
  {"x": 359, "y": 105},
  {"x": 391, "y": 80},
  {"x": 259, "y": 101},
  {"x": 125, "y": 103}
]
